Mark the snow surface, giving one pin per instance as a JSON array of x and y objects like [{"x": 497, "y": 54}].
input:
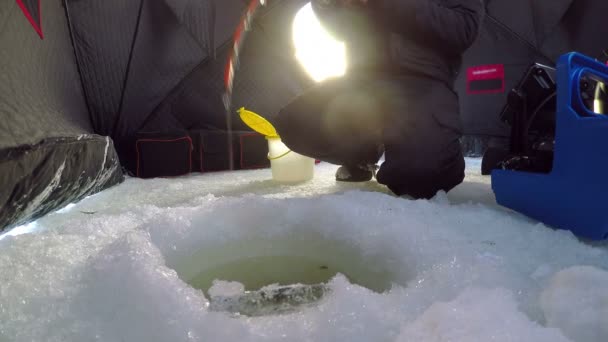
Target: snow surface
[{"x": 455, "y": 268}]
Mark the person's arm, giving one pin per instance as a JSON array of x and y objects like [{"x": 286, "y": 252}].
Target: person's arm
[{"x": 454, "y": 23}]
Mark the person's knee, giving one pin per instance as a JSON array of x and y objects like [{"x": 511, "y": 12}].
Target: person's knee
[
  {"x": 286, "y": 124},
  {"x": 421, "y": 180}
]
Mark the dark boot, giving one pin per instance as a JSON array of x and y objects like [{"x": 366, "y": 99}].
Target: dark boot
[{"x": 355, "y": 173}]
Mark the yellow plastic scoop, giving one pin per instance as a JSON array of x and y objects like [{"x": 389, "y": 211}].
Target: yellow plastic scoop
[{"x": 258, "y": 123}]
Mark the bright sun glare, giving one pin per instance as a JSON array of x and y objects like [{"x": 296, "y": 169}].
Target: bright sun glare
[{"x": 319, "y": 53}]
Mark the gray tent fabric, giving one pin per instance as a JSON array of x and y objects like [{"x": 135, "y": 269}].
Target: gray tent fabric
[
  {"x": 49, "y": 154},
  {"x": 198, "y": 16},
  {"x": 517, "y": 34},
  {"x": 534, "y": 20},
  {"x": 40, "y": 91},
  {"x": 103, "y": 38},
  {"x": 546, "y": 18},
  {"x": 583, "y": 28},
  {"x": 163, "y": 54},
  {"x": 146, "y": 49},
  {"x": 31, "y": 10}
]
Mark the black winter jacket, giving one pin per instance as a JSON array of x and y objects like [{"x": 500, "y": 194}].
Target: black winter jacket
[{"x": 418, "y": 37}]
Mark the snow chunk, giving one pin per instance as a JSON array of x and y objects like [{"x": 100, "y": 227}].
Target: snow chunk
[{"x": 576, "y": 301}]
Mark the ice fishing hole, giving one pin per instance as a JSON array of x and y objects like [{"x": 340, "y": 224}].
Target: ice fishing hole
[{"x": 293, "y": 268}]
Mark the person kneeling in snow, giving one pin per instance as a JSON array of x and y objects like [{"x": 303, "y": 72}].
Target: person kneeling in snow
[{"x": 396, "y": 98}]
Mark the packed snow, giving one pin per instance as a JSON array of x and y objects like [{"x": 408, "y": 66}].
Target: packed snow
[{"x": 147, "y": 260}]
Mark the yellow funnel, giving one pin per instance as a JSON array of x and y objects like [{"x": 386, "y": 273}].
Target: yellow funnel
[
  {"x": 258, "y": 123},
  {"x": 286, "y": 166}
]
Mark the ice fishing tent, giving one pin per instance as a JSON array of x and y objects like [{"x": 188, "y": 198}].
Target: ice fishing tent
[
  {"x": 90, "y": 89},
  {"x": 49, "y": 153},
  {"x": 153, "y": 74},
  {"x": 516, "y": 34}
]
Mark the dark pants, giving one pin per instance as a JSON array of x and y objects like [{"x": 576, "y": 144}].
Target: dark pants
[{"x": 352, "y": 121}]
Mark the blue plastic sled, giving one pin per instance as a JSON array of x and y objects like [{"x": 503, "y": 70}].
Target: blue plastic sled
[{"x": 574, "y": 196}]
